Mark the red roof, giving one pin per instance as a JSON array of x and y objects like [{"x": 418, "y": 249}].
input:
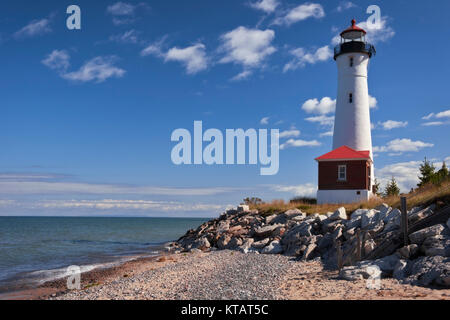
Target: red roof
[
  {"x": 354, "y": 27},
  {"x": 346, "y": 153}
]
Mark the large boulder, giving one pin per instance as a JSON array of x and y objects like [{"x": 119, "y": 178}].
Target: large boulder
[
  {"x": 408, "y": 252},
  {"x": 202, "y": 244},
  {"x": 436, "y": 246},
  {"x": 393, "y": 216},
  {"x": 273, "y": 248},
  {"x": 234, "y": 243},
  {"x": 266, "y": 231},
  {"x": 417, "y": 214},
  {"x": 309, "y": 250},
  {"x": 400, "y": 270},
  {"x": 368, "y": 218},
  {"x": 223, "y": 241},
  {"x": 418, "y": 237},
  {"x": 386, "y": 264},
  {"x": 244, "y": 248},
  {"x": 426, "y": 271},
  {"x": 448, "y": 223},
  {"x": 339, "y": 214},
  {"x": 261, "y": 244},
  {"x": 384, "y": 210},
  {"x": 356, "y": 273}
]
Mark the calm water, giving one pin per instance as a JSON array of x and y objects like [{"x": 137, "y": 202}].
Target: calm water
[{"x": 36, "y": 249}]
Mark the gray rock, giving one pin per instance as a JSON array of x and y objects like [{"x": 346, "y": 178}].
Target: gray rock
[
  {"x": 375, "y": 227},
  {"x": 400, "y": 270},
  {"x": 244, "y": 248},
  {"x": 354, "y": 223},
  {"x": 369, "y": 246},
  {"x": 269, "y": 219},
  {"x": 358, "y": 213},
  {"x": 426, "y": 271},
  {"x": 265, "y": 231},
  {"x": 330, "y": 226},
  {"x": 260, "y": 244},
  {"x": 339, "y": 214},
  {"x": 349, "y": 233},
  {"x": 273, "y": 248},
  {"x": 223, "y": 226},
  {"x": 223, "y": 241},
  {"x": 436, "y": 246},
  {"x": 368, "y": 218},
  {"x": 448, "y": 223},
  {"x": 417, "y": 214},
  {"x": 234, "y": 243},
  {"x": 386, "y": 264},
  {"x": 394, "y": 215},
  {"x": 356, "y": 273},
  {"x": 294, "y": 213},
  {"x": 202, "y": 244},
  {"x": 337, "y": 234},
  {"x": 384, "y": 210},
  {"x": 309, "y": 250},
  {"x": 408, "y": 252},
  {"x": 419, "y": 236}
]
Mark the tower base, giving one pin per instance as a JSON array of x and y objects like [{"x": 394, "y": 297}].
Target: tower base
[{"x": 342, "y": 196}]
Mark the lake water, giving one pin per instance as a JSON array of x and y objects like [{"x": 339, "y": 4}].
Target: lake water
[{"x": 37, "y": 249}]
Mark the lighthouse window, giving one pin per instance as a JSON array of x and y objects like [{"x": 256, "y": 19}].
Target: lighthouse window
[
  {"x": 342, "y": 173},
  {"x": 351, "y": 62},
  {"x": 350, "y": 98}
]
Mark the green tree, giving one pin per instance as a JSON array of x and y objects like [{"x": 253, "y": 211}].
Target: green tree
[
  {"x": 252, "y": 201},
  {"x": 392, "y": 188},
  {"x": 442, "y": 174},
  {"x": 427, "y": 173},
  {"x": 377, "y": 188}
]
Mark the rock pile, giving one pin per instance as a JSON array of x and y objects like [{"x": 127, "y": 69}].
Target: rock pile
[{"x": 426, "y": 261}]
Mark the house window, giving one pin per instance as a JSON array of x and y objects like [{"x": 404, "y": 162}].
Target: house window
[
  {"x": 342, "y": 173},
  {"x": 351, "y": 61},
  {"x": 350, "y": 98}
]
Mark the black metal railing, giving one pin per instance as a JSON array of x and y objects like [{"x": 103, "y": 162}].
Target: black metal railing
[{"x": 354, "y": 46}]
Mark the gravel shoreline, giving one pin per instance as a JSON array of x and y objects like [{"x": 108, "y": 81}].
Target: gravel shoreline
[{"x": 225, "y": 275}]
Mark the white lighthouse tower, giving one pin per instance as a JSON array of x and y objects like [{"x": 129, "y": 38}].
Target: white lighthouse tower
[{"x": 346, "y": 174}]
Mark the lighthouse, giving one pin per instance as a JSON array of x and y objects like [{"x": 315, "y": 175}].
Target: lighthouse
[{"x": 346, "y": 174}]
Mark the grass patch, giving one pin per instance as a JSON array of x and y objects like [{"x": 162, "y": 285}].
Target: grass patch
[{"x": 423, "y": 196}]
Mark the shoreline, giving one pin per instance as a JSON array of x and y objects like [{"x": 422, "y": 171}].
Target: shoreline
[{"x": 105, "y": 272}]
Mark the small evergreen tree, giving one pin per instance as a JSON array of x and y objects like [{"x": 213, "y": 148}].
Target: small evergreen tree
[
  {"x": 442, "y": 174},
  {"x": 392, "y": 188},
  {"x": 377, "y": 188},
  {"x": 427, "y": 173}
]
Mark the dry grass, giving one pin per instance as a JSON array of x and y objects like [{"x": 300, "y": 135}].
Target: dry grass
[{"x": 421, "y": 197}]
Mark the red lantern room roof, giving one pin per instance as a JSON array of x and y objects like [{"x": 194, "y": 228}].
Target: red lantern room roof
[
  {"x": 345, "y": 153},
  {"x": 353, "y": 29}
]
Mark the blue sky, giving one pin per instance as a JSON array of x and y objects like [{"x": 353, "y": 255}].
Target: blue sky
[{"x": 87, "y": 115}]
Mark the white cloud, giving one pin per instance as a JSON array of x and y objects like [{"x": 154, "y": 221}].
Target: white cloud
[
  {"x": 302, "y": 57},
  {"x": 391, "y": 124},
  {"x": 130, "y": 36},
  {"x": 373, "y": 102},
  {"x": 327, "y": 134},
  {"x": 97, "y": 69},
  {"x": 264, "y": 121},
  {"x": 57, "y": 60},
  {"x": 443, "y": 114},
  {"x": 289, "y": 134},
  {"x": 305, "y": 190},
  {"x": 267, "y": 6},
  {"x": 292, "y": 143},
  {"x": 193, "y": 57},
  {"x": 245, "y": 74},
  {"x": 247, "y": 47},
  {"x": 324, "y": 106},
  {"x": 301, "y": 12},
  {"x": 433, "y": 123},
  {"x": 34, "y": 28},
  {"x": 399, "y": 146},
  {"x": 322, "y": 120},
  {"x": 443, "y": 117},
  {"x": 49, "y": 187},
  {"x": 345, "y": 5},
  {"x": 124, "y": 13},
  {"x": 405, "y": 173}
]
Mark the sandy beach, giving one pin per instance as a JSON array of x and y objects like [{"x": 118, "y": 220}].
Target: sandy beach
[{"x": 225, "y": 274}]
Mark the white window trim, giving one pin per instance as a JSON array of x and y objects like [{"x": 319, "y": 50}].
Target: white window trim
[{"x": 339, "y": 172}]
